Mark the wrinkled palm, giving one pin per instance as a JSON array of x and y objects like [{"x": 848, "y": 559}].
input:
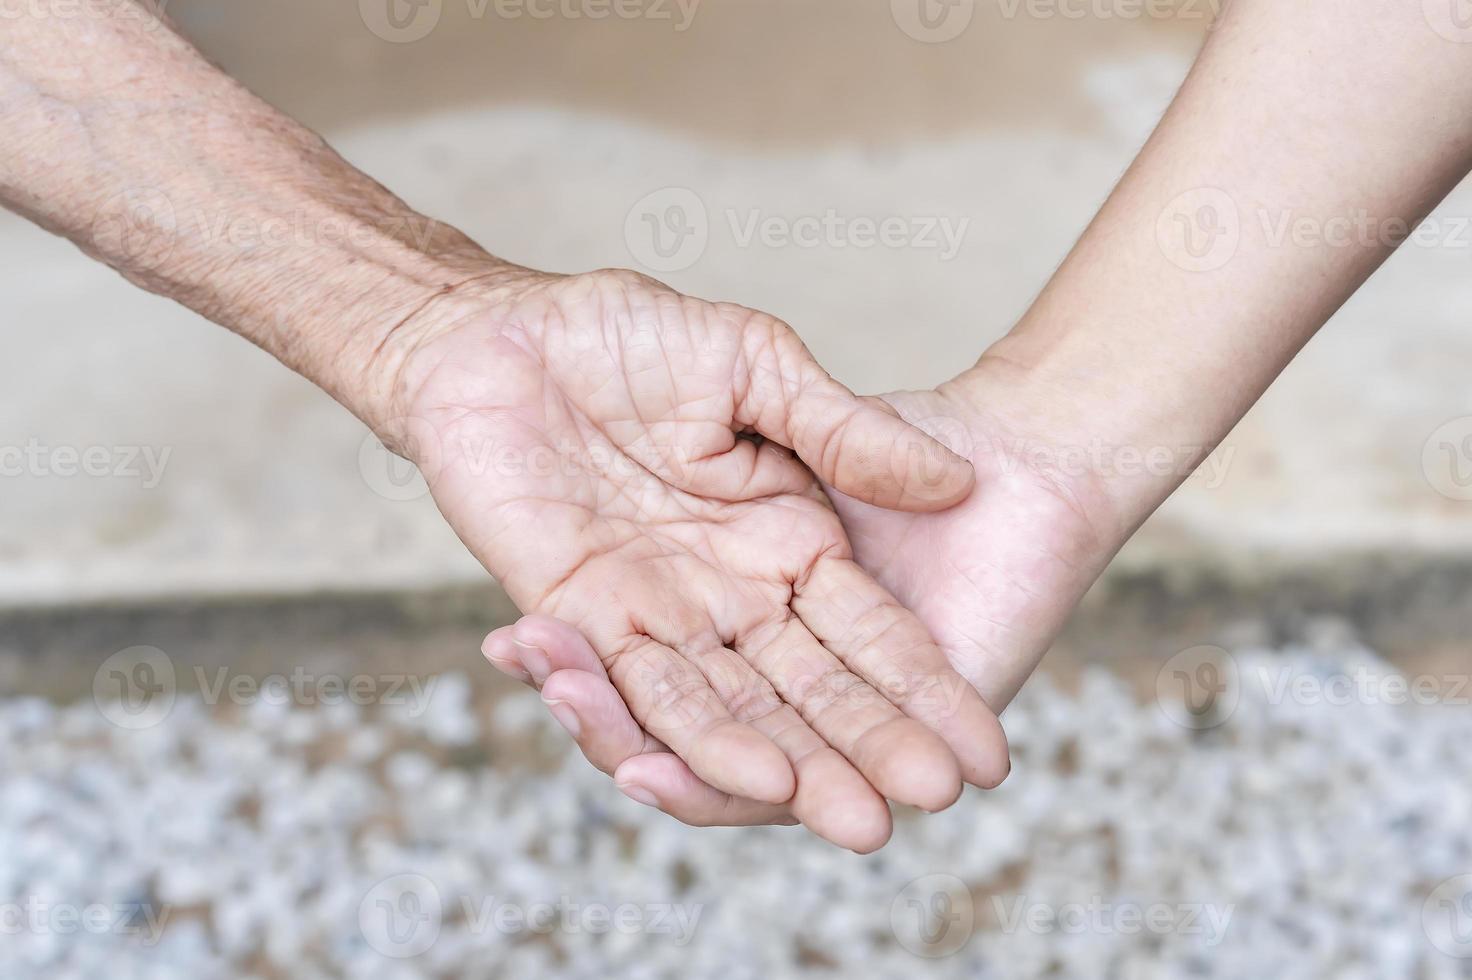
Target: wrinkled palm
[
  {"x": 993, "y": 579},
  {"x": 613, "y": 453}
]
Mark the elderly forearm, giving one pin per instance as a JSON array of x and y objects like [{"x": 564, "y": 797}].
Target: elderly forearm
[
  {"x": 122, "y": 137},
  {"x": 1309, "y": 138}
]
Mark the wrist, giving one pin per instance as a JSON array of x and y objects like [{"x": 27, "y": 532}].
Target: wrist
[
  {"x": 152, "y": 161},
  {"x": 1086, "y": 427},
  {"x": 374, "y": 364}
]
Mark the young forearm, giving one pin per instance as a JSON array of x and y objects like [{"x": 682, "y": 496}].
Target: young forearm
[
  {"x": 120, "y": 136},
  {"x": 1311, "y": 135}
]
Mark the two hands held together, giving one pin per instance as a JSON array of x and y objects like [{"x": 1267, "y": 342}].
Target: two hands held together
[{"x": 753, "y": 596}]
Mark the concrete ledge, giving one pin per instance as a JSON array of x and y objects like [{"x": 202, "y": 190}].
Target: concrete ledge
[{"x": 1413, "y": 609}]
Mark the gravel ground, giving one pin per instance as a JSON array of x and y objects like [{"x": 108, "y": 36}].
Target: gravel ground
[{"x": 1307, "y": 822}]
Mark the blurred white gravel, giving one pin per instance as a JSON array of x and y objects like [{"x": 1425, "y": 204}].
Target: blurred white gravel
[{"x": 1300, "y": 837}]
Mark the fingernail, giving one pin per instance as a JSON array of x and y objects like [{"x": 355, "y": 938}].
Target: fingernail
[
  {"x": 511, "y": 667},
  {"x": 638, "y": 794},
  {"x": 566, "y": 717},
  {"x": 535, "y": 659}
]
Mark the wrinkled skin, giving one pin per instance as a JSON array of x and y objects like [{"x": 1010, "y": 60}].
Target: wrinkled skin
[
  {"x": 993, "y": 579},
  {"x": 586, "y": 437}
]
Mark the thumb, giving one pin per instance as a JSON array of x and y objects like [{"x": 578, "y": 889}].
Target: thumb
[{"x": 859, "y": 446}]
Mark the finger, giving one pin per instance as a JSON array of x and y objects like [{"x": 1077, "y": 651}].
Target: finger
[
  {"x": 675, "y": 703},
  {"x": 590, "y": 710},
  {"x": 663, "y": 780},
  {"x": 501, "y": 653},
  {"x": 652, "y": 775},
  {"x": 858, "y": 445},
  {"x": 686, "y": 392},
  {"x": 832, "y": 799},
  {"x": 535, "y": 646},
  {"x": 710, "y": 459},
  {"x": 574, "y": 686},
  {"x": 899, "y": 756},
  {"x": 885, "y": 644}
]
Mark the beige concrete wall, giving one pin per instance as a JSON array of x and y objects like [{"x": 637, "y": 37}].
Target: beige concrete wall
[{"x": 539, "y": 136}]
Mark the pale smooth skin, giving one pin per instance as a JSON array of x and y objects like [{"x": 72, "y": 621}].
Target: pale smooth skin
[
  {"x": 591, "y": 438},
  {"x": 1322, "y": 110}
]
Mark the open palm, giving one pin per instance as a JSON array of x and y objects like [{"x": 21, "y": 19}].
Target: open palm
[
  {"x": 586, "y": 438},
  {"x": 993, "y": 579}
]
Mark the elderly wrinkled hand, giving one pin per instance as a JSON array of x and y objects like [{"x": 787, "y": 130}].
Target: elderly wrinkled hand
[{"x": 617, "y": 454}]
